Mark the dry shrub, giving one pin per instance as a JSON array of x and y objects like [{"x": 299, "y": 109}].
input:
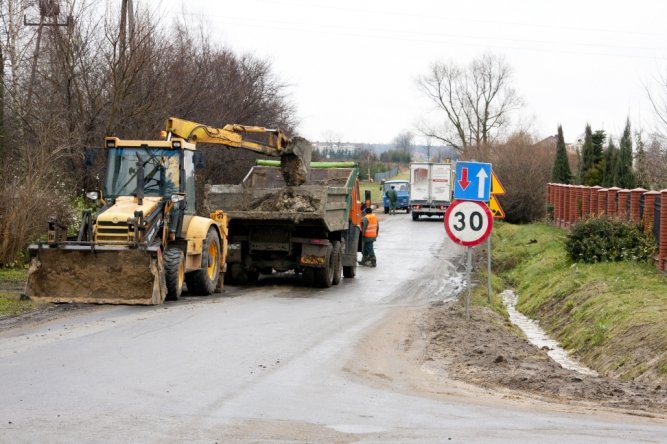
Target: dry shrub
[
  {"x": 524, "y": 168},
  {"x": 32, "y": 188}
]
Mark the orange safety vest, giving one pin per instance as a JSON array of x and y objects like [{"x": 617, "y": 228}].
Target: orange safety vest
[{"x": 372, "y": 227}]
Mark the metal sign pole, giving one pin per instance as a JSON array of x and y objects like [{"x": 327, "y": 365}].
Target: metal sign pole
[
  {"x": 468, "y": 270},
  {"x": 488, "y": 270}
]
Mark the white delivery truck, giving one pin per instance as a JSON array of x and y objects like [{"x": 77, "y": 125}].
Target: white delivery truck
[{"x": 431, "y": 188}]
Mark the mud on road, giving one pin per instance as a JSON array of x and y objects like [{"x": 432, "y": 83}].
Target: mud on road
[{"x": 434, "y": 351}]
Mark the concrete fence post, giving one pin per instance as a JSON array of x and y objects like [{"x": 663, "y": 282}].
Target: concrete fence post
[
  {"x": 612, "y": 206},
  {"x": 585, "y": 201},
  {"x": 594, "y": 200},
  {"x": 623, "y": 198},
  {"x": 561, "y": 205},
  {"x": 662, "y": 242},
  {"x": 557, "y": 207},
  {"x": 649, "y": 209},
  {"x": 636, "y": 204},
  {"x": 572, "y": 213},
  {"x": 578, "y": 209},
  {"x": 602, "y": 201}
]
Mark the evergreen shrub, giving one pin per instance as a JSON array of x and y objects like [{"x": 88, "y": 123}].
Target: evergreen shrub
[{"x": 605, "y": 239}]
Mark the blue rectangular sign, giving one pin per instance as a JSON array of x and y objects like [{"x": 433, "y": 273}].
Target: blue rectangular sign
[{"x": 472, "y": 181}]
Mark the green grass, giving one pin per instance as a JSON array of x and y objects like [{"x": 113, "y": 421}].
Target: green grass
[
  {"x": 11, "y": 305},
  {"x": 610, "y": 315},
  {"x": 10, "y": 280},
  {"x": 13, "y": 274}
]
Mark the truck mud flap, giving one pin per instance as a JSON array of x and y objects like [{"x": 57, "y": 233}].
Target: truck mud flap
[{"x": 100, "y": 276}]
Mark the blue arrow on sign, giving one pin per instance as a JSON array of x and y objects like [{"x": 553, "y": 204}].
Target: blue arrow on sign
[{"x": 472, "y": 181}]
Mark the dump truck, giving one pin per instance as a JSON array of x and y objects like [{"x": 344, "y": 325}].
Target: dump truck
[
  {"x": 431, "y": 188},
  {"x": 145, "y": 242},
  {"x": 313, "y": 229}
]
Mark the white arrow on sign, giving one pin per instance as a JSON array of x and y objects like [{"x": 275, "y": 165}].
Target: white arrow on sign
[{"x": 481, "y": 189}]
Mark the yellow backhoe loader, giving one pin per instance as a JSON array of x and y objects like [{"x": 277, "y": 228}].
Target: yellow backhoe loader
[{"x": 145, "y": 242}]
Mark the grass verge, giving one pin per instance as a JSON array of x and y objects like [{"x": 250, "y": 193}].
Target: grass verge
[
  {"x": 611, "y": 316},
  {"x": 12, "y": 281}
]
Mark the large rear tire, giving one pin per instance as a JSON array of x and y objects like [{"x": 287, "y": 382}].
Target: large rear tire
[
  {"x": 324, "y": 276},
  {"x": 174, "y": 269},
  {"x": 337, "y": 257},
  {"x": 204, "y": 281},
  {"x": 415, "y": 216}
]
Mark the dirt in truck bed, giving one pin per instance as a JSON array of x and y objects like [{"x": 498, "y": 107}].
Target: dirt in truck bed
[{"x": 286, "y": 200}]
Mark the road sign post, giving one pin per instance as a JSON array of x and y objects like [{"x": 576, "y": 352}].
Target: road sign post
[{"x": 468, "y": 223}]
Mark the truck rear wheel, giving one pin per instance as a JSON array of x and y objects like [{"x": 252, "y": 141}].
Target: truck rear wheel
[
  {"x": 323, "y": 277},
  {"x": 204, "y": 281},
  {"x": 337, "y": 256},
  {"x": 415, "y": 216},
  {"x": 174, "y": 269}
]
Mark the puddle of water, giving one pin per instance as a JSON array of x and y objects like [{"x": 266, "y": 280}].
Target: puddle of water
[{"x": 538, "y": 337}]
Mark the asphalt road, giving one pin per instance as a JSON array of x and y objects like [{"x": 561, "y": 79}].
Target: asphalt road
[{"x": 264, "y": 363}]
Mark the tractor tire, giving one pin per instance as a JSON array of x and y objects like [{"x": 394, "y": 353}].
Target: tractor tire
[
  {"x": 174, "y": 269},
  {"x": 337, "y": 257},
  {"x": 203, "y": 282},
  {"x": 323, "y": 277}
]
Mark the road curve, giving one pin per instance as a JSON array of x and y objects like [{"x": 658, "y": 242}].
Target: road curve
[{"x": 264, "y": 363}]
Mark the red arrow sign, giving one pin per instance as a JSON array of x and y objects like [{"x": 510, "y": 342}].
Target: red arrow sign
[{"x": 464, "y": 182}]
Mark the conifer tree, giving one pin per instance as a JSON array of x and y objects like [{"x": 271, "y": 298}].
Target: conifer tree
[
  {"x": 587, "y": 160},
  {"x": 561, "y": 172},
  {"x": 641, "y": 163},
  {"x": 610, "y": 157},
  {"x": 623, "y": 175}
]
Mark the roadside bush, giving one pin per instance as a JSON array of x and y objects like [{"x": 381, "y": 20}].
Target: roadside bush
[
  {"x": 524, "y": 168},
  {"x": 603, "y": 239}
]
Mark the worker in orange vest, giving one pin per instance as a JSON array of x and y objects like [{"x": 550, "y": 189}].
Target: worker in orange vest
[{"x": 370, "y": 228}]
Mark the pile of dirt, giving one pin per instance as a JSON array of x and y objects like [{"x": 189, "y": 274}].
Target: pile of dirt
[
  {"x": 487, "y": 350},
  {"x": 286, "y": 200}
]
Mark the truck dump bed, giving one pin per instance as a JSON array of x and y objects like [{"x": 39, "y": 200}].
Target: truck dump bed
[{"x": 324, "y": 200}]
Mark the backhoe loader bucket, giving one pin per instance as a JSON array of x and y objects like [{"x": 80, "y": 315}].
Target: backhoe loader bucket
[
  {"x": 295, "y": 162},
  {"x": 103, "y": 275}
]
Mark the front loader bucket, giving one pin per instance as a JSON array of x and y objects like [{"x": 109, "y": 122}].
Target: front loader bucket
[{"x": 104, "y": 275}]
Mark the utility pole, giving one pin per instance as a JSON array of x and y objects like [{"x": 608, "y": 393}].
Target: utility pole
[
  {"x": 48, "y": 10},
  {"x": 126, "y": 33}
]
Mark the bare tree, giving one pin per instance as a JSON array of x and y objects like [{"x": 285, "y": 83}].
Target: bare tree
[
  {"x": 476, "y": 101},
  {"x": 404, "y": 142}
]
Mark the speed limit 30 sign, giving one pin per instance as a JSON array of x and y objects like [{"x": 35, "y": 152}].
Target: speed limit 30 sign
[{"x": 468, "y": 223}]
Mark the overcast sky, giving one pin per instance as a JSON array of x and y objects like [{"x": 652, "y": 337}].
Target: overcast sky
[{"x": 352, "y": 65}]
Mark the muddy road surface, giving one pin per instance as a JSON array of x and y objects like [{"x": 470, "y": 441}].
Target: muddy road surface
[{"x": 364, "y": 361}]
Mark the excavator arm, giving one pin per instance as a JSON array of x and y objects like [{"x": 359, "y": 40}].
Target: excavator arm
[
  {"x": 294, "y": 153},
  {"x": 274, "y": 142}
]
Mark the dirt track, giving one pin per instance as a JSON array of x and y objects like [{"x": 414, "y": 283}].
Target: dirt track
[{"x": 435, "y": 351}]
